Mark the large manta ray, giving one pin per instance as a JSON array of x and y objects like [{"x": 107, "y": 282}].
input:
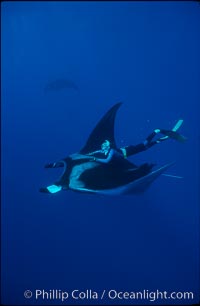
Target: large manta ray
[
  {"x": 60, "y": 84},
  {"x": 83, "y": 174}
]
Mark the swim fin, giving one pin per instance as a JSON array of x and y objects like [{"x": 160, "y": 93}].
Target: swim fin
[
  {"x": 177, "y": 125},
  {"x": 173, "y": 133}
]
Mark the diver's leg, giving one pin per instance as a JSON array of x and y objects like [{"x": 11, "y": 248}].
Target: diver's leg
[
  {"x": 131, "y": 150},
  {"x": 152, "y": 135},
  {"x": 148, "y": 143},
  {"x": 149, "y": 140}
]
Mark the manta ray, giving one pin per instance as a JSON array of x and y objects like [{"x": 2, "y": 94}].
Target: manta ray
[
  {"x": 61, "y": 84},
  {"x": 83, "y": 174}
]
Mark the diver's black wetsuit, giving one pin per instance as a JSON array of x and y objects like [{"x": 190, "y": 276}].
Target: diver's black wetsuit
[
  {"x": 148, "y": 143},
  {"x": 115, "y": 154},
  {"x": 118, "y": 153}
]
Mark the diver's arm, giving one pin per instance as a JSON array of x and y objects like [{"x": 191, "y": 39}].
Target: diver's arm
[
  {"x": 95, "y": 152},
  {"x": 105, "y": 160}
]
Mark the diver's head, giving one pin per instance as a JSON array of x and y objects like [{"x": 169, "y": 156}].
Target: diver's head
[{"x": 105, "y": 146}]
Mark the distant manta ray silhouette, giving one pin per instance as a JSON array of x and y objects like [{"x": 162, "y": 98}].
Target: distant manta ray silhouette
[{"x": 60, "y": 84}]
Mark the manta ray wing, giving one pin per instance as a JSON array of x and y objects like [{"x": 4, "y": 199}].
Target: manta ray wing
[
  {"x": 103, "y": 130},
  {"x": 135, "y": 187}
]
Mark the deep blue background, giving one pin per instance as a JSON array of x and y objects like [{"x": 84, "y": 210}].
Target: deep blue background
[{"x": 144, "y": 54}]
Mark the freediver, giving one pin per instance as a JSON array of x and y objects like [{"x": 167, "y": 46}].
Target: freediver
[{"x": 109, "y": 153}]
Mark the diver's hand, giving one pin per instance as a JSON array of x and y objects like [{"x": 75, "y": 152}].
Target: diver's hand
[{"x": 93, "y": 159}]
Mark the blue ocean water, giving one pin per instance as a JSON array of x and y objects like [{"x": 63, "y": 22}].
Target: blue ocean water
[{"x": 145, "y": 55}]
